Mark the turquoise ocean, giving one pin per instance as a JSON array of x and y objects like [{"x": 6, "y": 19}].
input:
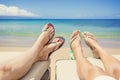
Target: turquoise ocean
[{"x": 25, "y": 31}]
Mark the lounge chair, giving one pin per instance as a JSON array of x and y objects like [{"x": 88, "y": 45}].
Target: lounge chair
[
  {"x": 66, "y": 69},
  {"x": 39, "y": 71}
]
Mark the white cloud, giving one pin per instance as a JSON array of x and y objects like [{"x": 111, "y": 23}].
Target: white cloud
[{"x": 14, "y": 11}]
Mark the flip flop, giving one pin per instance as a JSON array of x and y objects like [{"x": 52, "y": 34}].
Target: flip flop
[
  {"x": 61, "y": 39},
  {"x": 46, "y": 29},
  {"x": 87, "y": 38},
  {"x": 71, "y": 53}
]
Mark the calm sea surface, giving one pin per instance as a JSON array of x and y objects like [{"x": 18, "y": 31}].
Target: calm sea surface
[{"x": 28, "y": 28}]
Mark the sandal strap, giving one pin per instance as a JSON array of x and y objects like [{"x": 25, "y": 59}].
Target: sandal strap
[
  {"x": 54, "y": 49},
  {"x": 56, "y": 44},
  {"x": 71, "y": 51},
  {"x": 73, "y": 40}
]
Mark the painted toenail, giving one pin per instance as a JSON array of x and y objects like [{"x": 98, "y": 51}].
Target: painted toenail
[
  {"x": 49, "y": 24},
  {"x": 60, "y": 40}
]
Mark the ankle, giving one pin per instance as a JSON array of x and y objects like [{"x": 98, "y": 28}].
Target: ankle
[
  {"x": 78, "y": 51},
  {"x": 97, "y": 51}
]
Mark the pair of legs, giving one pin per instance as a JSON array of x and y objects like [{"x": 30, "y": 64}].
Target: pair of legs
[
  {"x": 14, "y": 67},
  {"x": 85, "y": 69}
]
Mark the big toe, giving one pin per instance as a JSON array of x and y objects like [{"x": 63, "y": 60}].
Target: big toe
[{"x": 59, "y": 42}]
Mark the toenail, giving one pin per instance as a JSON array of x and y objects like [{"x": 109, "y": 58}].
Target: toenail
[
  {"x": 60, "y": 40},
  {"x": 47, "y": 27},
  {"x": 49, "y": 24}
]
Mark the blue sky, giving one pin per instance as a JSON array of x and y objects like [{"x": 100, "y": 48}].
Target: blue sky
[{"x": 61, "y": 8}]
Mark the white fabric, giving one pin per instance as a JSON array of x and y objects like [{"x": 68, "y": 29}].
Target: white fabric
[
  {"x": 104, "y": 77},
  {"x": 66, "y": 69}
]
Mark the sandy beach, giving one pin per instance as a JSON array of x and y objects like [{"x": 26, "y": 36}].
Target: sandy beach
[{"x": 62, "y": 53}]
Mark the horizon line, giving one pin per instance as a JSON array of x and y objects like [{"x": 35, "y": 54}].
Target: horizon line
[{"x": 51, "y": 18}]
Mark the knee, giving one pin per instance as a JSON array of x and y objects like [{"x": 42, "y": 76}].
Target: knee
[
  {"x": 5, "y": 68},
  {"x": 94, "y": 71},
  {"x": 116, "y": 71},
  {"x": 97, "y": 70},
  {"x": 4, "y": 71}
]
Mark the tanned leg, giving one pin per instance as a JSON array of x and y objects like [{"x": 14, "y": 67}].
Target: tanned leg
[
  {"x": 112, "y": 65},
  {"x": 85, "y": 69},
  {"x": 15, "y": 67}
]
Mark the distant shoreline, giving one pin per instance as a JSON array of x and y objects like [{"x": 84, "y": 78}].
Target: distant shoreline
[
  {"x": 38, "y": 18},
  {"x": 50, "y": 19}
]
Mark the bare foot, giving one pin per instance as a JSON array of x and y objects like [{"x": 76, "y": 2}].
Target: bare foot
[
  {"x": 76, "y": 46},
  {"x": 54, "y": 45},
  {"x": 92, "y": 43},
  {"x": 46, "y": 35},
  {"x": 75, "y": 42}
]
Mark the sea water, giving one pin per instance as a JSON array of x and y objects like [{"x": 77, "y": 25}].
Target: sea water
[{"x": 16, "y": 28}]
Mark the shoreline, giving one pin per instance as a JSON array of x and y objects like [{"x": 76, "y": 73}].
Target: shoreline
[
  {"x": 66, "y": 49},
  {"x": 13, "y": 41},
  {"x": 66, "y": 35}
]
